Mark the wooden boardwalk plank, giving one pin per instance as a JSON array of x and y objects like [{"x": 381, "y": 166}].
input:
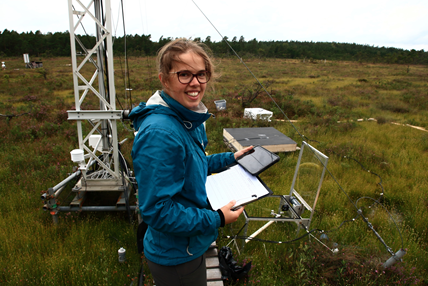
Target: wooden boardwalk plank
[
  {"x": 215, "y": 283},
  {"x": 213, "y": 274},
  {"x": 212, "y": 252},
  {"x": 212, "y": 264}
]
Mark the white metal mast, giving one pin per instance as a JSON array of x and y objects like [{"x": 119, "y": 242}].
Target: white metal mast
[{"x": 107, "y": 115}]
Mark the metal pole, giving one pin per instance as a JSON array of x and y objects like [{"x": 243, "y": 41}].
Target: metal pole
[
  {"x": 66, "y": 180},
  {"x": 111, "y": 88},
  {"x": 74, "y": 67},
  {"x": 94, "y": 208}
]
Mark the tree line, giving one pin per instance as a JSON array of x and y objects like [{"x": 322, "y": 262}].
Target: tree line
[{"x": 57, "y": 44}]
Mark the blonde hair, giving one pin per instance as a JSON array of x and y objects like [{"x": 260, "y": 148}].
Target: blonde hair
[{"x": 171, "y": 52}]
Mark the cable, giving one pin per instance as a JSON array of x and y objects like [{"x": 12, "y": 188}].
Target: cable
[
  {"x": 269, "y": 241},
  {"x": 126, "y": 59},
  {"x": 122, "y": 162},
  {"x": 373, "y": 173},
  {"x": 10, "y": 116},
  {"x": 365, "y": 219},
  {"x": 236, "y": 54},
  {"x": 343, "y": 222},
  {"x": 117, "y": 24},
  {"x": 80, "y": 22},
  {"x": 124, "y": 82}
]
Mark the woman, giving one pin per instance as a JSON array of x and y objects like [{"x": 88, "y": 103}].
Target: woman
[{"x": 171, "y": 168}]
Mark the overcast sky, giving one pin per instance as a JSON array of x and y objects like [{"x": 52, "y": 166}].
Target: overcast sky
[{"x": 390, "y": 23}]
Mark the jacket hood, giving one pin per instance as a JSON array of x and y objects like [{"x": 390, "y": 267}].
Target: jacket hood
[{"x": 162, "y": 103}]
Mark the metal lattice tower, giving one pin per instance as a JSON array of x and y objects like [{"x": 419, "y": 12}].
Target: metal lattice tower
[
  {"x": 106, "y": 117},
  {"x": 102, "y": 167}
]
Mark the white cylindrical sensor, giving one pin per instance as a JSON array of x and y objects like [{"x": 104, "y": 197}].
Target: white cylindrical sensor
[
  {"x": 393, "y": 259},
  {"x": 122, "y": 254}
]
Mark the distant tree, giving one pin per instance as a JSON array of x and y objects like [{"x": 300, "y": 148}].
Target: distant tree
[
  {"x": 223, "y": 47},
  {"x": 58, "y": 44},
  {"x": 251, "y": 46},
  {"x": 10, "y": 42},
  {"x": 242, "y": 44},
  {"x": 208, "y": 42}
]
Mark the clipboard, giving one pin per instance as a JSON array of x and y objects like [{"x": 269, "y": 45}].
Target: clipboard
[
  {"x": 243, "y": 202},
  {"x": 235, "y": 184},
  {"x": 257, "y": 160}
]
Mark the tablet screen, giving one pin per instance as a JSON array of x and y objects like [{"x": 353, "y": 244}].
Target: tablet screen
[{"x": 257, "y": 160}]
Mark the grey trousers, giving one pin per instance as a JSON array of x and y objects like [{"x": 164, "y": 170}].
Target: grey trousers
[{"x": 192, "y": 273}]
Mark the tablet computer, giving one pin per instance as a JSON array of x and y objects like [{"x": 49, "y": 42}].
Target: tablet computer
[{"x": 257, "y": 160}]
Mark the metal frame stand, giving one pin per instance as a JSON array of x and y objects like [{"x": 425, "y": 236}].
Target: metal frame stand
[{"x": 292, "y": 207}]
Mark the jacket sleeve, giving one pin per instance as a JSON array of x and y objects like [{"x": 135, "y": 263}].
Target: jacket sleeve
[
  {"x": 159, "y": 164},
  {"x": 216, "y": 162}
]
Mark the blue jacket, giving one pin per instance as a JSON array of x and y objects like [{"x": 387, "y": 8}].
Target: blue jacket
[{"x": 171, "y": 168}]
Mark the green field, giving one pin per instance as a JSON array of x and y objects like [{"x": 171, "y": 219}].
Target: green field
[{"x": 378, "y": 165}]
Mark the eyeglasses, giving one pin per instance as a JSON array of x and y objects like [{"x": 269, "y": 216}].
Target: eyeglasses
[{"x": 186, "y": 77}]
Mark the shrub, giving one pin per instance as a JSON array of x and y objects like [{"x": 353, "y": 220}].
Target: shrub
[
  {"x": 381, "y": 120},
  {"x": 393, "y": 106}
]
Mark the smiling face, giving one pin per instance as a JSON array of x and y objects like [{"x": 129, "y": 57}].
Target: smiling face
[{"x": 189, "y": 95}]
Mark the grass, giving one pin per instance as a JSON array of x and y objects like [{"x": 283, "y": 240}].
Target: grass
[{"x": 368, "y": 159}]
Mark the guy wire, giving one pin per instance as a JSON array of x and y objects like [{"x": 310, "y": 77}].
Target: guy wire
[
  {"x": 126, "y": 59},
  {"x": 249, "y": 70},
  {"x": 295, "y": 128},
  {"x": 267, "y": 92}
]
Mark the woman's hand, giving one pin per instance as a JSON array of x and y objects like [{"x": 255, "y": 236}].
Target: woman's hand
[
  {"x": 242, "y": 152},
  {"x": 230, "y": 215}
]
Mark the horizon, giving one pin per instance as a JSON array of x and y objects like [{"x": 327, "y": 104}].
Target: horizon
[
  {"x": 229, "y": 39},
  {"x": 382, "y": 23}
]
